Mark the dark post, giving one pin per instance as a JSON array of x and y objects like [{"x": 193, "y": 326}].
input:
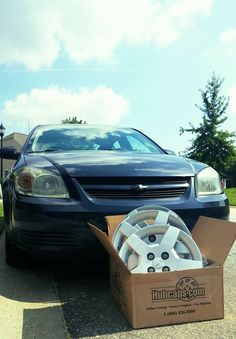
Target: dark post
[{"x": 2, "y": 129}]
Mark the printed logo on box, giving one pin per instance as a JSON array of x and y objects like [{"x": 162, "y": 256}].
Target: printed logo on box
[{"x": 186, "y": 289}]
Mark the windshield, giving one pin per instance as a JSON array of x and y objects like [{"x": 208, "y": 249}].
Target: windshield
[{"x": 80, "y": 138}]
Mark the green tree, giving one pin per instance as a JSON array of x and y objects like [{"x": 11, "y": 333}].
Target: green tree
[
  {"x": 231, "y": 174},
  {"x": 73, "y": 120},
  {"x": 211, "y": 144}
]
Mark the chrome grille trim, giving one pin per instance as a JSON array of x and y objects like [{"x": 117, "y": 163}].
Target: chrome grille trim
[{"x": 135, "y": 187}]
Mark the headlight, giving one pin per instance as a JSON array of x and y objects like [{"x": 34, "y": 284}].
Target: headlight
[
  {"x": 208, "y": 182},
  {"x": 40, "y": 183}
]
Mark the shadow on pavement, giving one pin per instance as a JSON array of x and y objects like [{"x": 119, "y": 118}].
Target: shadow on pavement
[
  {"x": 29, "y": 306},
  {"x": 27, "y": 284},
  {"x": 88, "y": 307},
  {"x": 82, "y": 288}
]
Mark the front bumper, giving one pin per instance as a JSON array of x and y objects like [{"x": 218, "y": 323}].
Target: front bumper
[{"x": 58, "y": 228}]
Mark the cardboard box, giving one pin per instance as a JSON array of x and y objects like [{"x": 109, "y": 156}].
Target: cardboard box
[{"x": 163, "y": 298}]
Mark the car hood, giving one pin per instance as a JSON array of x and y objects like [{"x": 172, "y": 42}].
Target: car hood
[{"x": 113, "y": 163}]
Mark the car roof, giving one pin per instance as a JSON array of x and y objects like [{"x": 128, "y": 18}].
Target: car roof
[{"x": 82, "y": 126}]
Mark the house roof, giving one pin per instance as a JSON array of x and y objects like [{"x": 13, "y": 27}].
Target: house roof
[{"x": 18, "y": 137}]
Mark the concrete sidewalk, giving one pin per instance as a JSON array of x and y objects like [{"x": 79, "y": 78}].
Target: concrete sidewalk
[
  {"x": 29, "y": 306},
  {"x": 232, "y": 216}
]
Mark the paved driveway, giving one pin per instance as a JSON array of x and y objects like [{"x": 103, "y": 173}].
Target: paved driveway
[
  {"x": 29, "y": 306},
  {"x": 48, "y": 301}
]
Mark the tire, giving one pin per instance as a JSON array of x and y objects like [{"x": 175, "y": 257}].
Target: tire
[{"x": 14, "y": 256}]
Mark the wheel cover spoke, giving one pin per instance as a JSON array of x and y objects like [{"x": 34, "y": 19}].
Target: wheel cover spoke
[
  {"x": 170, "y": 238},
  {"x": 185, "y": 264},
  {"x": 137, "y": 244},
  {"x": 162, "y": 218}
]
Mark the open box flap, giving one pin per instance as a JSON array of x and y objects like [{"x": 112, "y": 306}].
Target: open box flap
[
  {"x": 112, "y": 222},
  {"x": 214, "y": 237},
  {"x": 103, "y": 238}
]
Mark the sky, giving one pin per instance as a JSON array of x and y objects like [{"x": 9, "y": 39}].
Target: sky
[{"x": 134, "y": 63}]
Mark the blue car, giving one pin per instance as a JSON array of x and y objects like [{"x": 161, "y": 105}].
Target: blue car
[{"x": 68, "y": 175}]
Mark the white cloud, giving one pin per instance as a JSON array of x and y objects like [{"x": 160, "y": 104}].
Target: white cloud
[
  {"x": 175, "y": 17},
  {"x": 34, "y": 33},
  {"x": 228, "y": 41},
  {"x": 101, "y": 105},
  {"x": 27, "y": 34},
  {"x": 228, "y": 36},
  {"x": 232, "y": 103}
]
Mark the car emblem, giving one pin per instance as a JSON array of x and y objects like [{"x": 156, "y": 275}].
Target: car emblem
[{"x": 138, "y": 187}]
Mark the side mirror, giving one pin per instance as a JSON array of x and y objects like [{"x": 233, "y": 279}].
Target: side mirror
[
  {"x": 9, "y": 153},
  {"x": 169, "y": 151}
]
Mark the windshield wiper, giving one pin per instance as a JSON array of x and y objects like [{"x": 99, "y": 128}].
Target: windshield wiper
[{"x": 44, "y": 151}]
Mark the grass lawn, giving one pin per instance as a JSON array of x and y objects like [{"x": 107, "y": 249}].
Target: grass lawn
[
  {"x": 231, "y": 194},
  {"x": 1, "y": 219}
]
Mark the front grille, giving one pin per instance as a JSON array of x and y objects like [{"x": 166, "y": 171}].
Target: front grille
[{"x": 135, "y": 187}]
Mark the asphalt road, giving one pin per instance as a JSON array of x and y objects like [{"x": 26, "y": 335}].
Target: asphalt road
[{"x": 61, "y": 301}]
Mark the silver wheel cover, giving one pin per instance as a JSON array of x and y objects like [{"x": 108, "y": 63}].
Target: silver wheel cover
[
  {"x": 141, "y": 217},
  {"x": 172, "y": 250}
]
